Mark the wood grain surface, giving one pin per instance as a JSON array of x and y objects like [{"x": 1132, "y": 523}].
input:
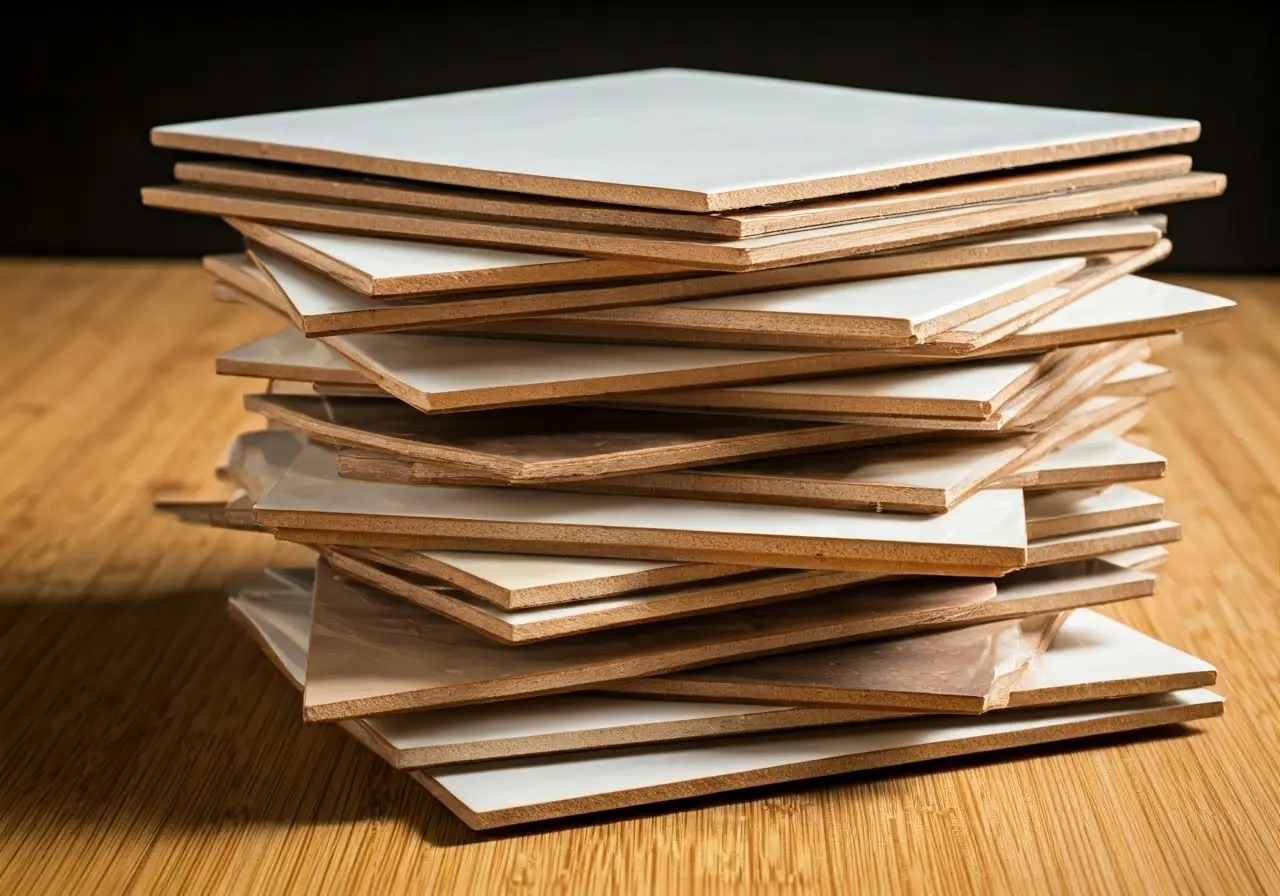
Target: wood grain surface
[{"x": 146, "y": 746}]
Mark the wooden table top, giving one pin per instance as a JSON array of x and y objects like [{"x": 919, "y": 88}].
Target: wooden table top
[{"x": 146, "y": 745}]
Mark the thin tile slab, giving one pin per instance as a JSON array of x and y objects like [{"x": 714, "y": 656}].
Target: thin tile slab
[
  {"x": 1141, "y": 378},
  {"x": 350, "y": 312},
  {"x": 1002, "y": 322},
  {"x": 984, "y": 535},
  {"x": 1065, "y": 548},
  {"x": 288, "y": 355},
  {"x": 958, "y": 308},
  {"x": 1092, "y": 414},
  {"x": 378, "y": 267},
  {"x": 676, "y": 138},
  {"x": 927, "y": 476},
  {"x": 403, "y": 364},
  {"x": 1147, "y": 558},
  {"x": 255, "y": 461},
  {"x": 1091, "y": 658},
  {"x": 1073, "y": 511},
  {"x": 454, "y": 373},
  {"x": 238, "y": 279},
  {"x": 319, "y": 307},
  {"x": 757, "y": 253},
  {"x": 372, "y": 653},
  {"x": 971, "y": 390},
  {"x": 494, "y": 795},
  {"x": 554, "y": 443},
  {"x": 884, "y": 312},
  {"x": 345, "y": 189},
  {"x": 521, "y": 581},
  {"x": 907, "y": 477},
  {"x": 1087, "y": 657},
  {"x": 218, "y": 514},
  {"x": 1066, "y": 378},
  {"x": 278, "y": 621},
  {"x": 1094, "y": 657},
  {"x": 1096, "y": 459},
  {"x": 1060, "y": 514},
  {"x": 1030, "y": 411},
  {"x": 1130, "y": 307},
  {"x": 515, "y": 581},
  {"x": 961, "y": 395},
  {"x": 896, "y": 310},
  {"x": 543, "y": 623},
  {"x": 968, "y": 670}
]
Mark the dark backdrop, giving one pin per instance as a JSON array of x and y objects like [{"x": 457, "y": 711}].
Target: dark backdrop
[{"x": 83, "y": 88}]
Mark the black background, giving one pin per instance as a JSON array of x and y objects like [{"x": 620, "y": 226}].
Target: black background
[{"x": 83, "y": 88}]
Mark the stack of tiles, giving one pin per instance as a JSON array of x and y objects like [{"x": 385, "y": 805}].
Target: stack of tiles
[{"x": 672, "y": 433}]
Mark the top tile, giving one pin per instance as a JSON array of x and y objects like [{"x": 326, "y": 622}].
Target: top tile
[{"x": 677, "y": 139}]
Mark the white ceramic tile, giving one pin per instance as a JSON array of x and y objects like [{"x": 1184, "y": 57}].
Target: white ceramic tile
[
  {"x": 521, "y": 571},
  {"x": 991, "y": 518},
  {"x": 969, "y": 380},
  {"x": 700, "y": 133},
  {"x": 1091, "y": 648},
  {"x": 1083, "y": 502},
  {"x": 1100, "y": 449},
  {"x": 492, "y": 787},
  {"x": 1126, "y": 300},
  {"x": 1139, "y": 370},
  {"x": 445, "y": 364},
  {"x": 915, "y": 298},
  {"x": 384, "y": 257}
]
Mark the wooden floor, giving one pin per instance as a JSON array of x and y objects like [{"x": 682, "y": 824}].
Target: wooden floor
[{"x": 146, "y": 746}]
